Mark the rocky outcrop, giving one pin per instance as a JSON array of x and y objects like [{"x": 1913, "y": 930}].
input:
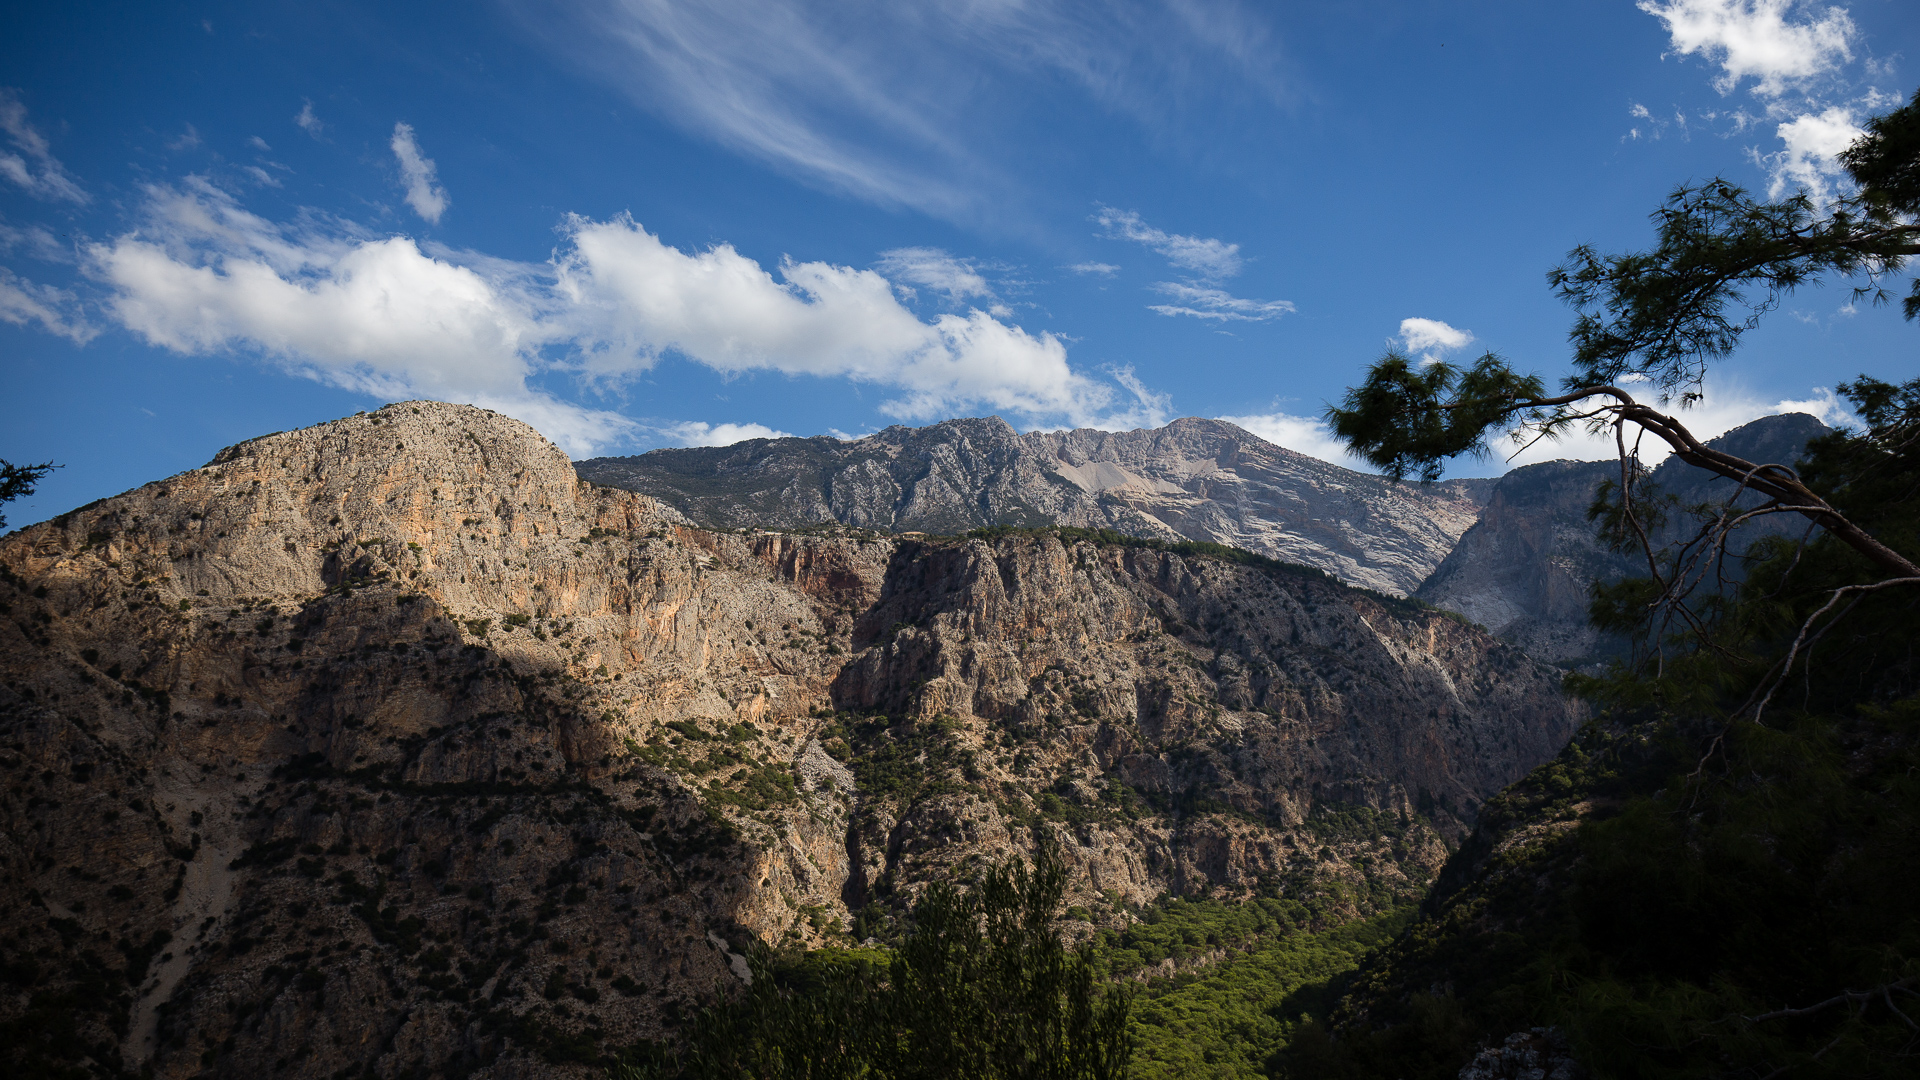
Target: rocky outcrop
[
  {"x": 1193, "y": 479},
  {"x": 389, "y": 747},
  {"x": 1526, "y": 568}
]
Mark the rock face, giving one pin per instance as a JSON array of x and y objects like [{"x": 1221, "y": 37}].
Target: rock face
[
  {"x": 1524, "y": 570},
  {"x": 388, "y": 747},
  {"x": 1193, "y": 479}
]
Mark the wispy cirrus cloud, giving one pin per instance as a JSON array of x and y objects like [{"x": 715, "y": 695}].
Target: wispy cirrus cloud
[
  {"x": 57, "y": 311},
  {"x": 957, "y": 279},
  {"x": 1203, "y": 255},
  {"x": 31, "y": 165},
  {"x": 904, "y": 104},
  {"x": 1206, "y": 302},
  {"x": 417, "y": 174},
  {"x": 1206, "y": 259}
]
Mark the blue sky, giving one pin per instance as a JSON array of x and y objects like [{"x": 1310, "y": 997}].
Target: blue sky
[{"x": 636, "y": 223}]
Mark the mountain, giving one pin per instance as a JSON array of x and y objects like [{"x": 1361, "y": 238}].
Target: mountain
[
  {"x": 1194, "y": 479},
  {"x": 390, "y": 747},
  {"x": 1525, "y": 567}
]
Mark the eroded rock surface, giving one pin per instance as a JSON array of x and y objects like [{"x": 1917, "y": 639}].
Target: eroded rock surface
[
  {"x": 1194, "y": 479},
  {"x": 389, "y": 747}
]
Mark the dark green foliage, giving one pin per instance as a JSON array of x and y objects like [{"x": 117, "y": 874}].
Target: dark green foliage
[
  {"x": 1409, "y": 418},
  {"x": 1693, "y": 865},
  {"x": 907, "y": 761},
  {"x": 980, "y": 988},
  {"x": 18, "y": 481}
]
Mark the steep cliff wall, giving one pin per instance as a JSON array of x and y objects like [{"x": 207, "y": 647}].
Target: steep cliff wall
[
  {"x": 1194, "y": 479},
  {"x": 388, "y": 746}
]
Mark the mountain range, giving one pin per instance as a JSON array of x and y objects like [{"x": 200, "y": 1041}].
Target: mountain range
[{"x": 393, "y": 747}]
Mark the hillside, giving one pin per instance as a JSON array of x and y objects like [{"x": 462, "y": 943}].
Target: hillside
[{"x": 390, "y": 746}]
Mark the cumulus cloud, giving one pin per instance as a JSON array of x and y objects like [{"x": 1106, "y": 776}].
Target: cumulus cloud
[
  {"x": 56, "y": 310},
  {"x": 958, "y": 280},
  {"x": 382, "y": 316},
  {"x": 696, "y": 433},
  {"x": 1204, "y": 256},
  {"x": 1207, "y": 302},
  {"x": 1431, "y": 337},
  {"x": 34, "y": 167},
  {"x": 1777, "y": 43},
  {"x": 636, "y": 298},
  {"x": 1809, "y": 157},
  {"x": 377, "y": 316},
  {"x": 424, "y": 194}
]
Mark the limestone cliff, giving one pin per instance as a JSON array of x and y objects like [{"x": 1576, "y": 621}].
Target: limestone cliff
[
  {"x": 1193, "y": 479},
  {"x": 389, "y": 747}
]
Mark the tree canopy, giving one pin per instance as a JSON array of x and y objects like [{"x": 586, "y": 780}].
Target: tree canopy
[{"x": 1659, "y": 318}]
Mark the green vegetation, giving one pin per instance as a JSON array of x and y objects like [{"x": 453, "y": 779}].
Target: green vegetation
[
  {"x": 981, "y": 987},
  {"x": 1232, "y": 1018}
]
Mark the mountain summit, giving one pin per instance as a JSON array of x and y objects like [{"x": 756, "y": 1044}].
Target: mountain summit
[{"x": 1193, "y": 479}]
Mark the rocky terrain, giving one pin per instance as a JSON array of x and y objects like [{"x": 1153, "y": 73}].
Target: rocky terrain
[
  {"x": 1193, "y": 479},
  {"x": 391, "y": 748},
  {"x": 1525, "y": 568}
]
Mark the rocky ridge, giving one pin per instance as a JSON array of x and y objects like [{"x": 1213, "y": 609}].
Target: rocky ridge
[
  {"x": 389, "y": 746},
  {"x": 1193, "y": 479}
]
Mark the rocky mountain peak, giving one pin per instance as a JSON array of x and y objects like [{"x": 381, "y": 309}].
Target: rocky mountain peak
[{"x": 1194, "y": 479}]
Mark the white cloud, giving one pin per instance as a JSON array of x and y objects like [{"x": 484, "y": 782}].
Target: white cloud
[
  {"x": 1727, "y": 404},
  {"x": 427, "y": 197},
  {"x": 260, "y": 176},
  {"x": 259, "y": 143},
  {"x": 1207, "y": 257},
  {"x": 1759, "y": 39},
  {"x": 376, "y": 316},
  {"x": 38, "y": 242},
  {"x": 1206, "y": 302},
  {"x": 56, "y": 310},
  {"x": 1809, "y": 158},
  {"x": 308, "y": 122},
  {"x": 1094, "y": 269},
  {"x": 39, "y": 172},
  {"x": 635, "y": 298},
  {"x": 1431, "y": 336},
  {"x": 958, "y": 279},
  {"x": 695, "y": 433},
  {"x": 382, "y": 316},
  {"x": 188, "y": 140},
  {"x": 1303, "y": 435},
  {"x": 905, "y": 104}
]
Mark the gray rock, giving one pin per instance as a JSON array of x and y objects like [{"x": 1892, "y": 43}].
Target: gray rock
[
  {"x": 1526, "y": 568},
  {"x": 1194, "y": 479}
]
